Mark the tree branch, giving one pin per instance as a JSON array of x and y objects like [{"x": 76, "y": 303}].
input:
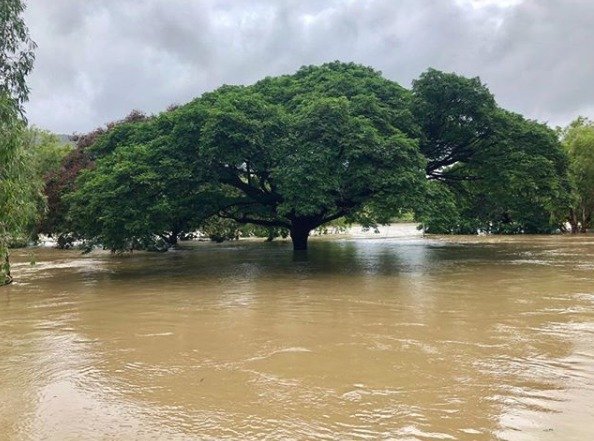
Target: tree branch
[
  {"x": 443, "y": 177},
  {"x": 334, "y": 216},
  {"x": 249, "y": 190},
  {"x": 262, "y": 222}
]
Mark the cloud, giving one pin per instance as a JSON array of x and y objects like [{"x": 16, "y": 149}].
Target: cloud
[{"x": 98, "y": 59}]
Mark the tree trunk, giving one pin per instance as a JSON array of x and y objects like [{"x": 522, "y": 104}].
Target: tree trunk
[
  {"x": 573, "y": 222},
  {"x": 172, "y": 239},
  {"x": 299, "y": 236},
  {"x": 5, "y": 277},
  {"x": 586, "y": 220},
  {"x": 575, "y": 228}
]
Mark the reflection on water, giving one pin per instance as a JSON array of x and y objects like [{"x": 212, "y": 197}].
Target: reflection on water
[{"x": 406, "y": 338}]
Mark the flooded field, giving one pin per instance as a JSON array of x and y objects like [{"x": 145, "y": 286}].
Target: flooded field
[{"x": 404, "y": 338}]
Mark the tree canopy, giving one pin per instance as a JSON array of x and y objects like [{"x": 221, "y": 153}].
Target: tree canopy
[
  {"x": 578, "y": 140},
  {"x": 492, "y": 170},
  {"x": 16, "y": 53},
  {"x": 293, "y": 152},
  {"x": 339, "y": 140}
]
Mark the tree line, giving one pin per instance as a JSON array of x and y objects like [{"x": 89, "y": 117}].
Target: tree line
[{"x": 337, "y": 142}]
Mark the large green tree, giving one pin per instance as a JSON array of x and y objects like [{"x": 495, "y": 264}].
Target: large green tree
[
  {"x": 301, "y": 150},
  {"x": 578, "y": 140},
  {"x": 492, "y": 170},
  {"x": 337, "y": 141},
  {"x": 141, "y": 195},
  {"x": 61, "y": 180},
  {"x": 18, "y": 192},
  {"x": 292, "y": 152}
]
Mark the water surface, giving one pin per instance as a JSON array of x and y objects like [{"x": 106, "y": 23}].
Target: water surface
[{"x": 394, "y": 338}]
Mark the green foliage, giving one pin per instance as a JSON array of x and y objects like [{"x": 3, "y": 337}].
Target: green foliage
[
  {"x": 333, "y": 227},
  {"x": 144, "y": 189},
  {"x": 60, "y": 182},
  {"x": 16, "y": 53},
  {"x": 578, "y": 140},
  {"x": 48, "y": 150},
  {"x": 38, "y": 153},
  {"x": 269, "y": 233},
  {"x": 20, "y": 183},
  {"x": 302, "y": 150},
  {"x": 498, "y": 172},
  {"x": 330, "y": 143},
  {"x": 456, "y": 119},
  {"x": 288, "y": 153},
  {"x": 440, "y": 212},
  {"x": 220, "y": 230}
]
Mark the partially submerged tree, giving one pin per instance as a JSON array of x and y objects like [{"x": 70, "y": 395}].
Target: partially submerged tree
[
  {"x": 17, "y": 191},
  {"x": 61, "y": 181},
  {"x": 292, "y": 152},
  {"x": 578, "y": 140},
  {"x": 493, "y": 170},
  {"x": 301, "y": 150},
  {"x": 58, "y": 184},
  {"x": 337, "y": 141},
  {"x": 138, "y": 197},
  {"x": 145, "y": 189}
]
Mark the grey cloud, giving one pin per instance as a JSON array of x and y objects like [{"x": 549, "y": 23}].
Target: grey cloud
[
  {"x": 98, "y": 59},
  {"x": 542, "y": 63}
]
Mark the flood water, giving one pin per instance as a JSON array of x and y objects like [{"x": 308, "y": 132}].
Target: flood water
[{"x": 403, "y": 338}]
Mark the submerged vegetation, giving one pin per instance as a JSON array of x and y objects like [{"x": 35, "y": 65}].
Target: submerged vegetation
[
  {"x": 328, "y": 145},
  {"x": 333, "y": 142}
]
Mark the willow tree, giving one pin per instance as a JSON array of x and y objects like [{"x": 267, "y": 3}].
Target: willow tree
[{"x": 17, "y": 191}]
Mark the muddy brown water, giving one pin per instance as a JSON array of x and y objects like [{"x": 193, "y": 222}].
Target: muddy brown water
[{"x": 402, "y": 338}]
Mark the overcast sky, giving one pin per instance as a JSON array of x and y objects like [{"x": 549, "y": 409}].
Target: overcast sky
[{"x": 98, "y": 59}]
